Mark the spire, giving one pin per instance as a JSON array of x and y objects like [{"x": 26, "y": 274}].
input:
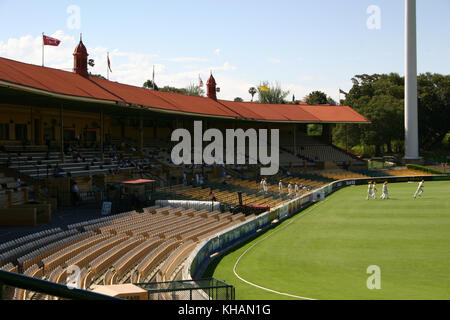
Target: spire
[
  {"x": 80, "y": 65},
  {"x": 211, "y": 85}
]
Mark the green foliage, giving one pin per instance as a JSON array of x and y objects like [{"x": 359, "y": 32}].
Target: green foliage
[
  {"x": 97, "y": 76},
  {"x": 149, "y": 85},
  {"x": 423, "y": 169},
  {"x": 275, "y": 96},
  {"x": 195, "y": 90},
  {"x": 316, "y": 98},
  {"x": 191, "y": 90},
  {"x": 315, "y": 129},
  {"x": 434, "y": 109},
  {"x": 173, "y": 90},
  {"x": 252, "y": 92},
  {"x": 380, "y": 98},
  {"x": 238, "y": 99}
]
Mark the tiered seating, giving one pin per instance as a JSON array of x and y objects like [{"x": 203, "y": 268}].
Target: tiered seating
[
  {"x": 127, "y": 247},
  {"x": 407, "y": 173},
  {"x": 338, "y": 174},
  {"x": 11, "y": 192},
  {"x": 41, "y": 165}
]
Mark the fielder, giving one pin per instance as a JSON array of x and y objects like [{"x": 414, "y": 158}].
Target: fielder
[
  {"x": 385, "y": 195},
  {"x": 280, "y": 186},
  {"x": 369, "y": 191},
  {"x": 289, "y": 189},
  {"x": 374, "y": 190},
  {"x": 297, "y": 190},
  {"x": 419, "y": 191}
]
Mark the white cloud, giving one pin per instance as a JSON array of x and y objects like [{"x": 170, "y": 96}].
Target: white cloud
[
  {"x": 274, "y": 60},
  {"x": 217, "y": 52}
]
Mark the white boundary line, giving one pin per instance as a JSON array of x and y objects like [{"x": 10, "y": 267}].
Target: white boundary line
[{"x": 248, "y": 250}]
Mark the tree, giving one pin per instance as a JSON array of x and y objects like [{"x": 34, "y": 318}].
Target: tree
[
  {"x": 274, "y": 96},
  {"x": 434, "y": 109},
  {"x": 97, "y": 76},
  {"x": 316, "y": 98},
  {"x": 149, "y": 85},
  {"x": 238, "y": 99},
  {"x": 174, "y": 90},
  {"x": 195, "y": 90},
  {"x": 252, "y": 92}
]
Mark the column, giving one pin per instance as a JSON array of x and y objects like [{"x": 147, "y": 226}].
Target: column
[{"x": 411, "y": 108}]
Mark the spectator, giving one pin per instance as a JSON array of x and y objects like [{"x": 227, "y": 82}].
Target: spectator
[{"x": 75, "y": 192}]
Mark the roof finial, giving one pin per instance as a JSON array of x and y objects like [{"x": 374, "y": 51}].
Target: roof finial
[{"x": 81, "y": 37}]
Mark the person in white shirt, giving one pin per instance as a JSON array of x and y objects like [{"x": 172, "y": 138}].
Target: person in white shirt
[
  {"x": 280, "y": 186},
  {"x": 262, "y": 185},
  {"x": 385, "y": 195},
  {"x": 374, "y": 190},
  {"x": 289, "y": 189},
  {"x": 297, "y": 190},
  {"x": 266, "y": 186},
  {"x": 369, "y": 191},
  {"x": 419, "y": 191}
]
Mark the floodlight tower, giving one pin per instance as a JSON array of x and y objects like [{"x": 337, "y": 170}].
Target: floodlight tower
[{"x": 411, "y": 101}]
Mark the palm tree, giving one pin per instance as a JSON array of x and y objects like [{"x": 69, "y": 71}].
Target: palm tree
[{"x": 253, "y": 91}]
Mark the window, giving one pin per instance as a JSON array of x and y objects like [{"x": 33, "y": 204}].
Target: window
[{"x": 4, "y": 131}]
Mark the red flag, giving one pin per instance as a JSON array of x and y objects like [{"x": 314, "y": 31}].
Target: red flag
[
  {"x": 48, "y": 41},
  {"x": 109, "y": 64}
]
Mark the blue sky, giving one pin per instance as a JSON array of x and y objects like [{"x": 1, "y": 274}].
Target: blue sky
[{"x": 302, "y": 45}]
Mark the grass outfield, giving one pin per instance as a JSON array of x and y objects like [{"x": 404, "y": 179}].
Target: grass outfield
[{"x": 324, "y": 252}]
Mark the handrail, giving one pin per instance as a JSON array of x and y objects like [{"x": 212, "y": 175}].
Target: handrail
[{"x": 41, "y": 286}]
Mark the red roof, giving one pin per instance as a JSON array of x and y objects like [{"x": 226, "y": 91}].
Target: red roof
[{"x": 50, "y": 80}]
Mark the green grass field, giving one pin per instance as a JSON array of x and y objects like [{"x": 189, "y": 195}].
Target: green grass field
[{"x": 324, "y": 252}]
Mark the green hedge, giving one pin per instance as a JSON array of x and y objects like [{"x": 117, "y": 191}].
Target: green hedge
[{"x": 423, "y": 169}]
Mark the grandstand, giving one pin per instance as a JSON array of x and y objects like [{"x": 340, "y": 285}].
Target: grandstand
[{"x": 59, "y": 128}]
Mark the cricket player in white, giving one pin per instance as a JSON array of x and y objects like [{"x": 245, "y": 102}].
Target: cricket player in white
[
  {"x": 297, "y": 189},
  {"x": 280, "y": 187},
  {"x": 262, "y": 185},
  {"x": 289, "y": 189},
  {"x": 369, "y": 191},
  {"x": 374, "y": 190},
  {"x": 385, "y": 195},
  {"x": 419, "y": 191}
]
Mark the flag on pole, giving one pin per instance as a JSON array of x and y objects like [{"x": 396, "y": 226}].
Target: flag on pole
[
  {"x": 153, "y": 77},
  {"x": 109, "y": 63},
  {"x": 264, "y": 89},
  {"x": 342, "y": 92},
  {"x": 49, "y": 41},
  {"x": 201, "y": 84}
]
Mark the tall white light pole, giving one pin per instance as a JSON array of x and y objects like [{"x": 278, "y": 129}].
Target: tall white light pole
[{"x": 411, "y": 101}]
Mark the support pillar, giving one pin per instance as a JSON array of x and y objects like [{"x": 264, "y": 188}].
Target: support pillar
[
  {"x": 102, "y": 135},
  {"x": 62, "y": 133},
  {"x": 411, "y": 102}
]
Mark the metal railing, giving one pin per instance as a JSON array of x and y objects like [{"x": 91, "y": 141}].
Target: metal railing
[
  {"x": 41, "y": 286},
  {"x": 188, "y": 290}
]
